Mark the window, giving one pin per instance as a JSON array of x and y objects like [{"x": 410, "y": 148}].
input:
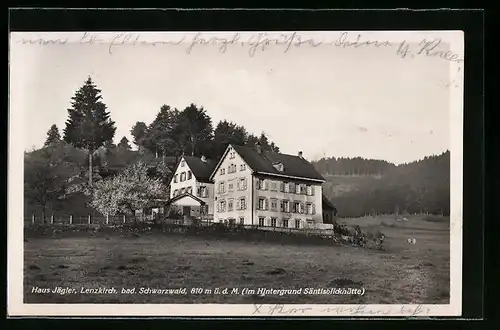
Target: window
[
  {"x": 273, "y": 222},
  {"x": 183, "y": 190},
  {"x": 190, "y": 175},
  {"x": 242, "y": 184},
  {"x": 176, "y": 178},
  {"x": 309, "y": 208},
  {"x": 176, "y": 192},
  {"x": 230, "y": 187},
  {"x": 230, "y": 204},
  {"x": 285, "y": 223},
  {"x": 203, "y": 191},
  {"x": 261, "y": 184},
  {"x": 242, "y": 220},
  {"x": 282, "y": 186},
  {"x": 285, "y": 206},
  {"x": 204, "y": 209},
  {"x": 302, "y": 189},
  {"x": 309, "y": 190},
  {"x": 231, "y": 168},
  {"x": 262, "y": 203},
  {"x": 242, "y": 167},
  {"x": 297, "y": 223},
  {"x": 232, "y": 221},
  {"x": 231, "y": 155},
  {"x": 274, "y": 204},
  {"x": 261, "y": 221},
  {"x": 286, "y": 186},
  {"x": 296, "y": 207},
  {"x": 222, "y": 171},
  {"x": 221, "y": 206},
  {"x": 183, "y": 176},
  {"x": 189, "y": 190},
  {"x": 222, "y": 188},
  {"x": 297, "y": 189},
  {"x": 241, "y": 204},
  {"x": 274, "y": 185},
  {"x": 183, "y": 162}
]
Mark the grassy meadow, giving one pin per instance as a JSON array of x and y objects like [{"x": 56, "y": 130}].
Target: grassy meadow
[{"x": 402, "y": 274}]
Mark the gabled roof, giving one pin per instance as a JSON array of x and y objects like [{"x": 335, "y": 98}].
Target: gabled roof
[
  {"x": 201, "y": 170},
  {"x": 176, "y": 198},
  {"x": 327, "y": 204},
  {"x": 294, "y": 166}
]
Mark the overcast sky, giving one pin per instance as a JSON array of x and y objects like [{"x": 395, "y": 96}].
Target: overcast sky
[{"x": 324, "y": 101}]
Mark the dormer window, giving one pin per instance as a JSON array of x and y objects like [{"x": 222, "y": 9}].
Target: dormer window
[
  {"x": 279, "y": 167},
  {"x": 183, "y": 162},
  {"x": 231, "y": 154}
]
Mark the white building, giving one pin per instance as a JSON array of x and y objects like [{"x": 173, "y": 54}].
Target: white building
[
  {"x": 262, "y": 188},
  {"x": 191, "y": 191}
]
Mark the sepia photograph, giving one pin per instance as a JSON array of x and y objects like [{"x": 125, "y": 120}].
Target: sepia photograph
[{"x": 252, "y": 173}]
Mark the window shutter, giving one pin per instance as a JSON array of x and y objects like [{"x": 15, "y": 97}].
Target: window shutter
[
  {"x": 218, "y": 207},
  {"x": 257, "y": 204},
  {"x": 312, "y": 190},
  {"x": 292, "y": 187},
  {"x": 281, "y": 205},
  {"x": 314, "y": 209},
  {"x": 238, "y": 186},
  {"x": 238, "y": 207},
  {"x": 266, "y": 184}
]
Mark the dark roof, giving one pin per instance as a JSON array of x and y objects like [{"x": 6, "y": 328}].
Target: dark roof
[
  {"x": 201, "y": 170},
  {"x": 293, "y": 165},
  {"x": 327, "y": 204},
  {"x": 185, "y": 195}
]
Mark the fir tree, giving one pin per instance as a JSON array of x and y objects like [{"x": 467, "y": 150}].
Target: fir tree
[
  {"x": 124, "y": 144},
  {"x": 89, "y": 125},
  {"x": 52, "y": 136}
]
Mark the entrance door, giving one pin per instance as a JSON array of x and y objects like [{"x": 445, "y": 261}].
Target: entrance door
[{"x": 186, "y": 210}]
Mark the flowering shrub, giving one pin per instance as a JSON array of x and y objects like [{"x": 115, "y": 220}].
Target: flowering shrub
[{"x": 127, "y": 192}]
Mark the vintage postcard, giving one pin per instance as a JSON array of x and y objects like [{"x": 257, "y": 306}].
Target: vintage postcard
[{"x": 254, "y": 174}]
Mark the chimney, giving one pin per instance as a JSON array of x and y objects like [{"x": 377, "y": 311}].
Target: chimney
[
  {"x": 258, "y": 148},
  {"x": 203, "y": 158},
  {"x": 300, "y": 154}
]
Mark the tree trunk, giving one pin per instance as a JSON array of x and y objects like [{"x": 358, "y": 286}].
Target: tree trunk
[
  {"x": 193, "y": 144},
  {"x": 43, "y": 214},
  {"x": 90, "y": 169}
]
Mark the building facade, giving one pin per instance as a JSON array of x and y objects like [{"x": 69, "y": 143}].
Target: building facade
[
  {"x": 191, "y": 178},
  {"x": 261, "y": 188}
]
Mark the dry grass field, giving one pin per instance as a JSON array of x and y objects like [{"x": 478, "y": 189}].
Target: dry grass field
[{"x": 403, "y": 273}]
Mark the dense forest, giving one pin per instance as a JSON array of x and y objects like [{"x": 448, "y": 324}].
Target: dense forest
[
  {"x": 62, "y": 176},
  {"x": 421, "y": 186}
]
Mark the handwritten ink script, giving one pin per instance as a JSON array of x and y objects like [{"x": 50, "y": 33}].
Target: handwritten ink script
[
  {"x": 258, "y": 42},
  {"x": 359, "y": 310}
]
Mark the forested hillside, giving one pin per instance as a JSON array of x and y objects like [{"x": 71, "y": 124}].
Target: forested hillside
[{"x": 417, "y": 187}]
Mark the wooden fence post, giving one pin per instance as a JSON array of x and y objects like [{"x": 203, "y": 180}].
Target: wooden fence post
[
  {"x": 52, "y": 219},
  {"x": 70, "y": 219},
  {"x": 107, "y": 219},
  {"x": 89, "y": 219}
]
